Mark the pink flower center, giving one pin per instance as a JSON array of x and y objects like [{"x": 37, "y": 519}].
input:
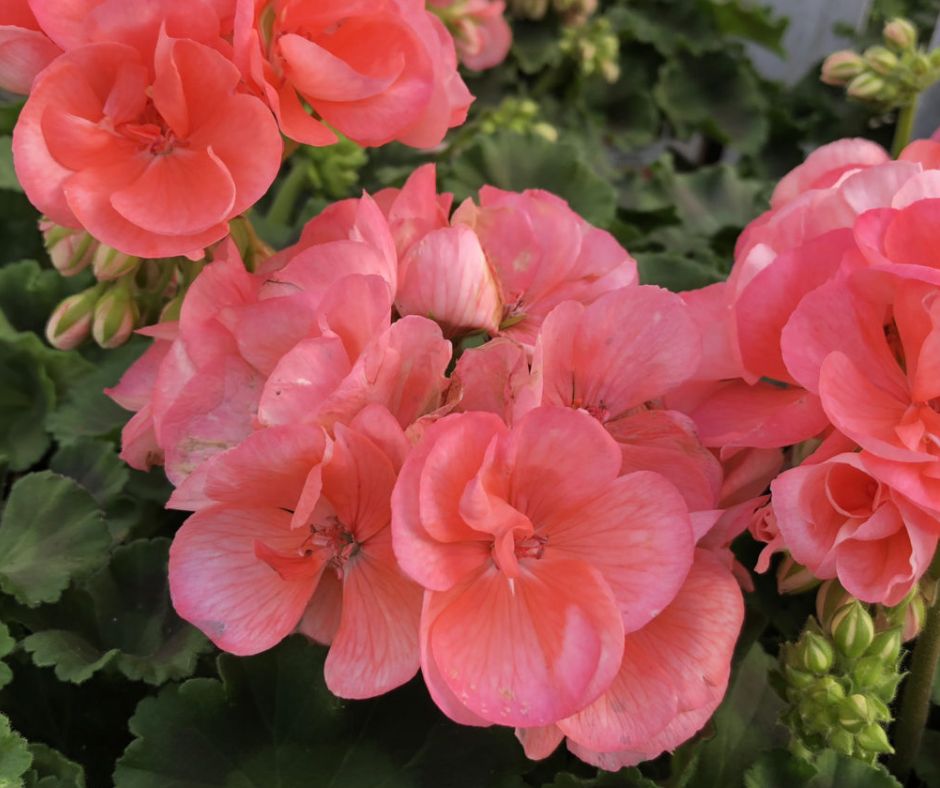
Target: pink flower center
[
  {"x": 151, "y": 132},
  {"x": 332, "y": 537}
]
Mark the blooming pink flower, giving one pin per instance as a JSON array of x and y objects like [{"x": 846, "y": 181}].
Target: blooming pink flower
[
  {"x": 149, "y": 146},
  {"x": 839, "y": 520},
  {"x": 25, "y": 49},
  {"x": 543, "y": 253},
  {"x": 870, "y": 345},
  {"x": 416, "y": 209},
  {"x": 297, "y": 535},
  {"x": 656, "y": 701},
  {"x": 375, "y": 70},
  {"x": 481, "y": 32},
  {"x": 537, "y": 557}
]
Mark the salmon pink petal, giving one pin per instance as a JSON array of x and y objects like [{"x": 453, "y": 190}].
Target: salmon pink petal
[
  {"x": 187, "y": 191},
  {"x": 908, "y": 238},
  {"x": 317, "y": 73},
  {"x": 268, "y": 468},
  {"x": 139, "y": 447},
  {"x": 302, "y": 381},
  {"x": 531, "y": 651},
  {"x": 657, "y": 348},
  {"x": 539, "y": 743},
  {"x": 420, "y": 519},
  {"x": 548, "y": 482},
  {"x": 296, "y": 123},
  {"x": 711, "y": 310},
  {"x": 358, "y": 482},
  {"x": 679, "y": 662},
  {"x": 321, "y": 618},
  {"x": 495, "y": 378},
  {"x": 667, "y": 442},
  {"x": 23, "y": 54},
  {"x": 219, "y": 584},
  {"x": 63, "y": 20},
  {"x": 379, "y": 426},
  {"x": 135, "y": 387},
  {"x": 863, "y": 410},
  {"x": 376, "y": 646},
  {"x": 637, "y": 534},
  {"x": 445, "y": 276}
]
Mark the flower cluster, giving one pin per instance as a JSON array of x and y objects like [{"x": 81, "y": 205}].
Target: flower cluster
[
  {"x": 438, "y": 439},
  {"x": 153, "y": 125},
  {"x": 831, "y": 339}
]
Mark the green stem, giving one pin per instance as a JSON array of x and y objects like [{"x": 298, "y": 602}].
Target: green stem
[
  {"x": 287, "y": 193},
  {"x": 915, "y": 704},
  {"x": 904, "y": 127}
]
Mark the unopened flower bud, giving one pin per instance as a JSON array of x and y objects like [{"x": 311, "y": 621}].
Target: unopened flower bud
[
  {"x": 110, "y": 264},
  {"x": 798, "y": 679},
  {"x": 886, "y": 647},
  {"x": 794, "y": 578},
  {"x": 853, "y": 630},
  {"x": 171, "y": 312},
  {"x": 815, "y": 653},
  {"x": 115, "y": 317},
  {"x": 874, "y": 739},
  {"x": 913, "y": 621},
  {"x": 830, "y": 598},
  {"x": 827, "y": 690},
  {"x": 855, "y": 713},
  {"x": 70, "y": 250},
  {"x": 900, "y": 33},
  {"x": 881, "y": 59},
  {"x": 866, "y": 86},
  {"x": 70, "y": 322},
  {"x": 842, "y": 742},
  {"x": 841, "y": 67},
  {"x": 869, "y": 673}
]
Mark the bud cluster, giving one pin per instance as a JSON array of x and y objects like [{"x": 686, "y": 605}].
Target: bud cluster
[
  {"x": 596, "y": 48},
  {"x": 572, "y": 13},
  {"x": 889, "y": 75},
  {"x": 333, "y": 170},
  {"x": 840, "y": 678},
  {"x": 518, "y": 115}
]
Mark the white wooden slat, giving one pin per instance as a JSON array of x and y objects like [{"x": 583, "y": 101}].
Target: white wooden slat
[{"x": 927, "y": 120}]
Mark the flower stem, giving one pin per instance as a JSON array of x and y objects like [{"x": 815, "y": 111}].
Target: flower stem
[
  {"x": 904, "y": 128},
  {"x": 915, "y": 703},
  {"x": 287, "y": 193}
]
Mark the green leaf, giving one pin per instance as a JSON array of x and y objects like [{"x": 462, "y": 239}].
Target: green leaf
[
  {"x": 675, "y": 271},
  {"x": 516, "y": 162},
  {"x": 717, "y": 94},
  {"x": 668, "y": 26},
  {"x": 85, "y": 411},
  {"x": 625, "y": 778},
  {"x": 51, "y": 532},
  {"x": 7, "y": 643},
  {"x": 745, "y": 725},
  {"x": 836, "y": 771},
  {"x": 711, "y": 199},
  {"x": 29, "y": 293},
  {"x": 26, "y": 394},
  {"x": 15, "y": 757},
  {"x": 51, "y": 769},
  {"x": 95, "y": 465},
  {"x": 534, "y": 46},
  {"x": 7, "y": 173},
  {"x": 123, "y": 616},
  {"x": 778, "y": 769},
  {"x": 18, "y": 228},
  {"x": 746, "y": 19}
]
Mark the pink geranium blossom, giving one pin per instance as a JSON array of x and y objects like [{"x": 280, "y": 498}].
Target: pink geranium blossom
[
  {"x": 297, "y": 534},
  {"x": 145, "y": 141},
  {"x": 838, "y": 520},
  {"x": 537, "y": 557},
  {"x": 481, "y": 32},
  {"x": 375, "y": 70},
  {"x": 25, "y": 49}
]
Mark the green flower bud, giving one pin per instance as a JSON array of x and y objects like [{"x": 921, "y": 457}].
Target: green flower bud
[
  {"x": 70, "y": 322},
  {"x": 842, "y": 742},
  {"x": 886, "y": 647},
  {"x": 881, "y": 59},
  {"x": 869, "y": 673},
  {"x": 826, "y": 691},
  {"x": 793, "y": 578},
  {"x": 840, "y": 67},
  {"x": 171, "y": 311},
  {"x": 70, "y": 251},
  {"x": 115, "y": 317},
  {"x": 855, "y": 713},
  {"x": 867, "y": 86},
  {"x": 815, "y": 653},
  {"x": 914, "y": 615},
  {"x": 874, "y": 739},
  {"x": 110, "y": 264},
  {"x": 797, "y": 679},
  {"x": 900, "y": 33},
  {"x": 853, "y": 630},
  {"x": 830, "y": 598}
]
